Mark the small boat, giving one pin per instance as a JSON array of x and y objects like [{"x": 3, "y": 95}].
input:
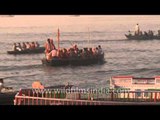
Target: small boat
[
  {"x": 28, "y": 51},
  {"x": 142, "y": 37},
  {"x": 99, "y": 59}
]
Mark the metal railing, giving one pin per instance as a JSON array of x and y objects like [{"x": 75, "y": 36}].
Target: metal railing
[{"x": 57, "y": 97}]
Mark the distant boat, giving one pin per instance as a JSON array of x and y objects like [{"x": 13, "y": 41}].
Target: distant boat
[
  {"x": 28, "y": 51},
  {"x": 143, "y": 35}
]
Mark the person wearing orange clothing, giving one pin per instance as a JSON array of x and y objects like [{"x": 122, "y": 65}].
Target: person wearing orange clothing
[{"x": 37, "y": 85}]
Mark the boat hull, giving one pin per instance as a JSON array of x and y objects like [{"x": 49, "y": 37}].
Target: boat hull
[
  {"x": 28, "y": 51},
  {"x": 141, "y": 37},
  {"x": 74, "y": 61}
]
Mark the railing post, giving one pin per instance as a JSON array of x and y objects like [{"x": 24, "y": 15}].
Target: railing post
[
  {"x": 111, "y": 95},
  {"x": 155, "y": 96},
  {"x": 128, "y": 96},
  {"x": 124, "y": 95},
  {"x": 88, "y": 96},
  {"x": 28, "y": 95},
  {"x": 142, "y": 95},
  {"x": 151, "y": 97},
  {"x": 15, "y": 101},
  {"x": 133, "y": 96},
  {"x": 24, "y": 101}
]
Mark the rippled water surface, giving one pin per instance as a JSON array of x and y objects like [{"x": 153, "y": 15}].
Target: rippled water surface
[{"x": 123, "y": 57}]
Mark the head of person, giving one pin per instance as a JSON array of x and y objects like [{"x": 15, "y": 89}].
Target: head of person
[
  {"x": 51, "y": 40},
  {"x": 48, "y": 40}
]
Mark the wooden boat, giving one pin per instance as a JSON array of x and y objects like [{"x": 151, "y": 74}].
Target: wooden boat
[
  {"x": 28, "y": 51},
  {"x": 74, "y": 61}
]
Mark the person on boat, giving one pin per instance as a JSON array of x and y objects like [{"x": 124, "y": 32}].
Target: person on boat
[
  {"x": 145, "y": 33},
  {"x": 76, "y": 50},
  {"x": 19, "y": 47},
  {"x": 94, "y": 51},
  {"x": 137, "y": 29},
  {"x": 158, "y": 32},
  {"x": 14, "y": 47},
  {"x": 37, "y": 85},
  {"x": 150, "y": 33},
  {"x": 100, "y": 51},
  {"x": 72, "y": 50},
  {"x": 85, "y": 52},
  {"x": 52, "y": 44},
  {"x": 60, "y": 53},
  {"x": 90, "y": 52},
  {"x": 129, "y": 33},
  {"x": 54, "y": 53},
  {"x": 37, "y": 44},
  {"x": 49, "y": 56},
  {"x": 28, "y": 46},
  {"x": 64, "y": 53},
  {"x": 24, "y": 46},
  {"x": 33, "y": 45},
  {"x": 48, "y": 46}
]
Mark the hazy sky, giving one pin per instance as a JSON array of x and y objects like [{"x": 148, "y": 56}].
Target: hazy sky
[{"x": 60, "y": 20}]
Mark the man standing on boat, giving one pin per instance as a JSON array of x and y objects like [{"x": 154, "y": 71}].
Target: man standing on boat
[{"x": 137, "y": 29}]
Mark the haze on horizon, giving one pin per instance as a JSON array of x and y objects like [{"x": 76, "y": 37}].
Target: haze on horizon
[{"x": 60, "y": 20}]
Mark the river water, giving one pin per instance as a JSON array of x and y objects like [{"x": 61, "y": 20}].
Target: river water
[{"x": 122, "y": 56}]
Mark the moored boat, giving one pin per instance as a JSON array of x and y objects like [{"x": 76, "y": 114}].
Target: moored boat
[{"x": 135, "y": 83}]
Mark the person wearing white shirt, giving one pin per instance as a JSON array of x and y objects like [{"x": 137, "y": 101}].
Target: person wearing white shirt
[{"x": 137, "y": 29}]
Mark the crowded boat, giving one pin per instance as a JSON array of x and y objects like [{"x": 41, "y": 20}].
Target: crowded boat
[
  {"x": 26, "y": 47},
  {"x": 72, "y": 55}
]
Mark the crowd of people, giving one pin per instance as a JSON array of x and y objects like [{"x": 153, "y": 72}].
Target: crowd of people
[
  {"x": 73, "y": 52},
  {"x": 25, "y": 46}
]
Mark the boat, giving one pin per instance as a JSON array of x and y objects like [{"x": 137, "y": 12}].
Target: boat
[
  {"x": 135, "y": 83},
  {"x": 142, "y": 37},
  {"x": 99, "y": 59},
  {"x": 139, "y": 87},
  {"x": 72, "y": 58},
  {"x": 28, "y": 51}
]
